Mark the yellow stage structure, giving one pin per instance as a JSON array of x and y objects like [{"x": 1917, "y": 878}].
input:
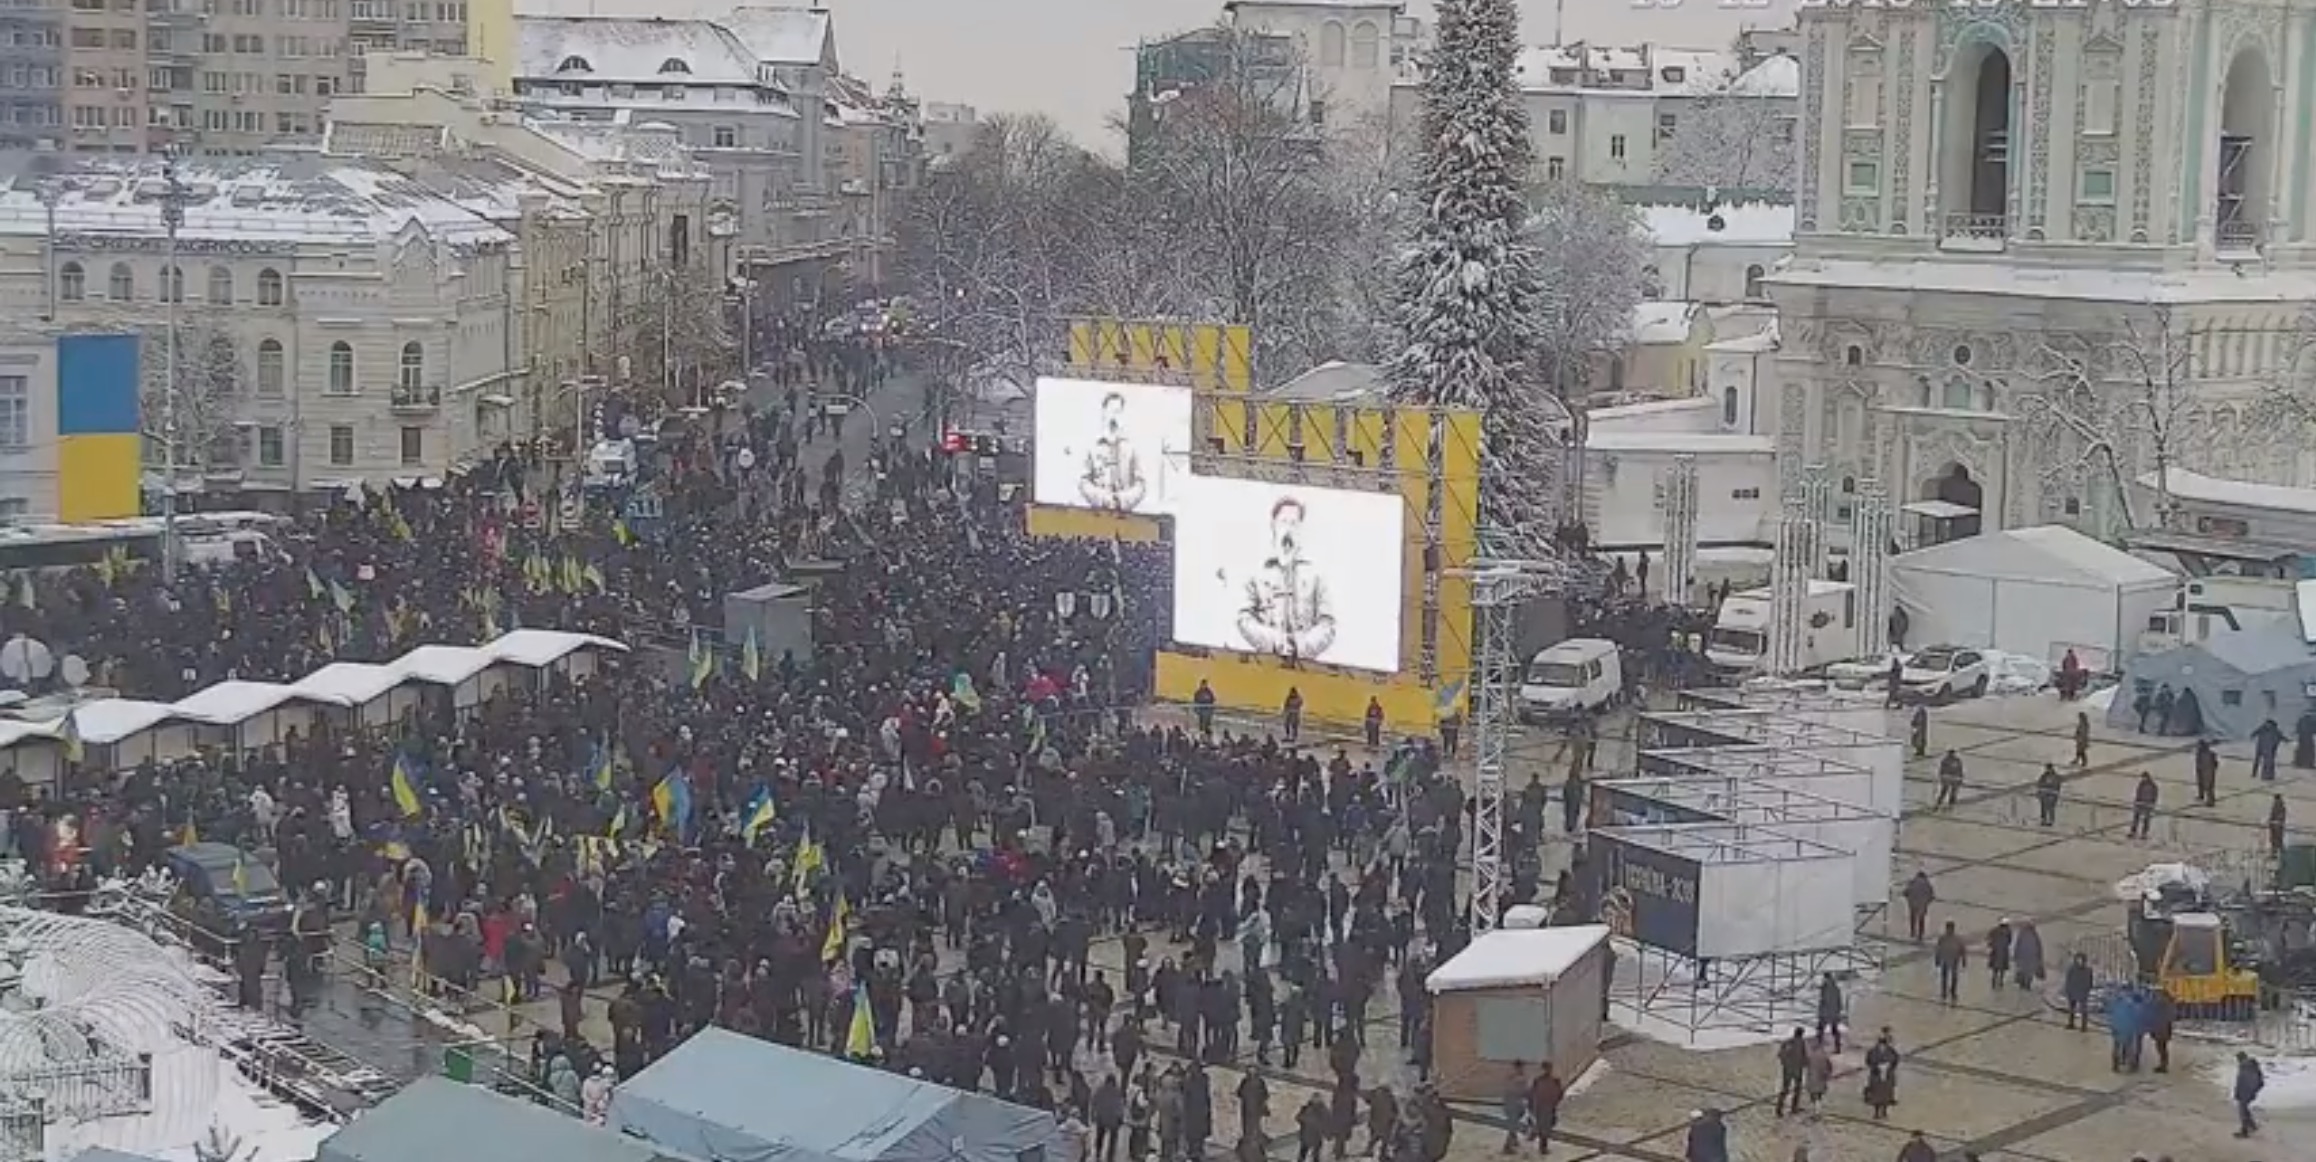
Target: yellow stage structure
[
  {"x": 1210, "y": 356},
  {"x": 1431, "y": 459}
]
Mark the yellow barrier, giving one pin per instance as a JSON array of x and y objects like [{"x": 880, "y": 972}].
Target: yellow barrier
[
  {"x": 1258, "y": 685},
  {"x": 1046, "y": 520}
]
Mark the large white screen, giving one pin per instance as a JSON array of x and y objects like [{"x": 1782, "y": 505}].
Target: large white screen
[
  {"x": 1122, "y": 447},
  {"x": 1288, "y": 570}
]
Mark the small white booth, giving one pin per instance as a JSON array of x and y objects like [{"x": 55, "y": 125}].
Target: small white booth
[
  {"x": 117, "y": 734},
  {"x": 369, "y": 695},
  {"x": 249, "y": 715},
  {"x": 1518, "y": 997},
  {"x": 470, "y": 675},
  {"x": 33, "y": 752},
  {"x": 553, "y": 651}
]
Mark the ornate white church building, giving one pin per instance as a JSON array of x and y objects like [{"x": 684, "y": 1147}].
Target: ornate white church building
[{"x": 2043, "y": 247}]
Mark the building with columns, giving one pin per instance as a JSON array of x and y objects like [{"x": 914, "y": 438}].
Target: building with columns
[{"x": 2039, "y": 249}]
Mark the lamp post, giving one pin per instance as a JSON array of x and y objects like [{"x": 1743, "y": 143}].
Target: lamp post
[{"x": 172, "y": 289}]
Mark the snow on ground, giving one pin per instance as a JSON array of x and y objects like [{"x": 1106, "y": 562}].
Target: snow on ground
[
  {"x": 2291, "y": 1081},
  {"x": 193, "y": 1089},
  {"x": 2008, "y": 673},
  {"x": 2099, "y": 701}
]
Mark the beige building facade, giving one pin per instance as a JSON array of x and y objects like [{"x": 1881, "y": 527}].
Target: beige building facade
[{"x": 2038, "y": 249}]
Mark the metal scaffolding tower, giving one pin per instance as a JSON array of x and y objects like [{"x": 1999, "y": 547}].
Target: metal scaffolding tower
[
  {"x": 1816, "y": 495},
  {"x": 1499, "y": 586},
  {"x": 1789, "y": 577},
  {"x": 1870, "y": 566},
  {"x": 1679, "y": 491}
]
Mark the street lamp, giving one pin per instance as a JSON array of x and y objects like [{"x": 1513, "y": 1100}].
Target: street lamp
[{"x": 172, "y": 289}]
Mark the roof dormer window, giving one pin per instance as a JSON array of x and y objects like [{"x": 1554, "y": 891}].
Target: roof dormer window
[
  {"x": 1674, "y": 74},
  {"x": 673, "y": 65},
  {"x": 574, "y": 64}
]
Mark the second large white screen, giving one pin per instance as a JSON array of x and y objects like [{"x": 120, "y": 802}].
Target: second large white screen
[
  {"x": 1121, "y": 447},
  {"x": 1287, "y": 570}
]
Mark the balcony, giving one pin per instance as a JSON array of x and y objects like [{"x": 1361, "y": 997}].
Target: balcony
[
  {"x": 415, "y": 398},
  {"x": 1974, "y": 232},
  {"x": 2236, "y": 236}
]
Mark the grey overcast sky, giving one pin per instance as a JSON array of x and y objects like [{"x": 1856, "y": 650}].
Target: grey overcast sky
[{"x": 1073, "y": 59}]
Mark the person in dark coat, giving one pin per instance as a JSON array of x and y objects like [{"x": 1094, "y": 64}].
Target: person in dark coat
[
  {"x": 2047, "y": 787},
  {"x": 1919, "y": 896},
  {"x": 2206, "y": 774},
  {"x": 2144, "y": 796},
  {"x": 2076, "y": 988},
  {"x": 1830, "y": 1011},
  {"x": 1708, "y": 1137},
  {"x": 1882, "y": 1074},
  {"x": 2162, "y": 1016},
  {"x": 2250, "y": 1080},
  {"x": 2304, "y": 740},
  {"x": 1544, "y": 1097},
  {"x": 1998, "y": 944},
  {"x": 1917, "y": 1150},
  {"x": 1792, "y": 1062},
  {"x": 1311, "y": 1129},
  {"x": 1109, "y": 1113},
  {"x": 1951, "y": 956}
]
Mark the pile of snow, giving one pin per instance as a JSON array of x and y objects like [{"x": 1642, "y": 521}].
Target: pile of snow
[
  {"x": 2015, "y": 673},
  {"x": 2158, "y": 880},
  {"x": 2098, "y": 702}
]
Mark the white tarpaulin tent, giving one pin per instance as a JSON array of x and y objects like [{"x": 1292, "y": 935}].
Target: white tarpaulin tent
[{"x": 2034, "y": 591}]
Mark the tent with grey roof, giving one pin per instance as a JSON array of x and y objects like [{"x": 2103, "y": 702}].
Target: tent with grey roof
[
  {"x": 2239, "y": 680},
  {"x": 436, "y": 1120},
  {"x": 734, "y": 1098}
]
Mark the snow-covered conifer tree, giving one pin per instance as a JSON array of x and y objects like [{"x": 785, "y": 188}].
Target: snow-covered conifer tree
[{"x": 1470, "y": 283}]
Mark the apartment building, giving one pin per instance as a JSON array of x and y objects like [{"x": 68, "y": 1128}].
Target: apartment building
[
  {"x": 32, "y": 65},
  {"x": 336, "y": 321},
  {"x": 1350, "y": 51},
  {"x": 1605, "y": 115}
]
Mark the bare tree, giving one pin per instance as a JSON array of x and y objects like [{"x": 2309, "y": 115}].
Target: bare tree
[
  {"x": 1594, "y": 254},
  {"x": 208, "y": 396},
  {"x": 1733, "y": 138},
  {"x": 2117, "y": 403},
  {"x": 678, "y": 339}
]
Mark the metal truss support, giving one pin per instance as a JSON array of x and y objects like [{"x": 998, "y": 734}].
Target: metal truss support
[
  {"x": 1870, "y": 566},
  {"x": 1816, "y": 498},
  {"x": 1679, "y": 491},
  {"x": 1789, "y": 587},
  {"x": 1499, "y": 588}
]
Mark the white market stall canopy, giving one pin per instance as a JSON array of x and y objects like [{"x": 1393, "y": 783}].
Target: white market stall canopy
[
  {"x": 1510, "y": 957},
  {"x": 235, "y": 704}
]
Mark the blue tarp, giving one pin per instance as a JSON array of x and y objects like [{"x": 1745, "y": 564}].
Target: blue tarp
[
  {"x": 724, "y": 1097},
  {"x": 434, "y": 1120}
]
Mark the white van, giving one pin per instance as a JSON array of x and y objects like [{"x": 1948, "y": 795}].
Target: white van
[{"x": 1577, "y": 676}]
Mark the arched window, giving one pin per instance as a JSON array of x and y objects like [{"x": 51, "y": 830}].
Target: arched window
[
  {"x": 121, "y": 285},
  {"x": 71, "y": 282},
  {"x": 1753, "y": 276},
  {"x": 1366, "y": 42},
  {"x": 1729, "y": 406},
  {"x": 1331, "y": 45},
  {"x": 269, "y": 368},
  {"x": 341, "y": 368},
  {"x": 574, "y": 64},
  {"x": 1854, "y": 355},
  {"x": 172, "y": 284},
  {"x": 413, "y": 366},
  {"x": 269, "y": 288},
  {"x": 220, "y": 286},
  {"x": 673, "y": 65},
  {"x": 1959, "y": 396}
]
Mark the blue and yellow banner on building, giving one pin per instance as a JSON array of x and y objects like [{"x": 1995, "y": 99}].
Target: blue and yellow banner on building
[{"x": 99, "y": 441}]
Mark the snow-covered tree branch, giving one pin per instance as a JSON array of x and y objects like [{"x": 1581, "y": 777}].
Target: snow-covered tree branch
[
  {"x": 1593, "y": 254},
  {"x": 2123, "y": 400},
  {"x": 1732, "y": 139},
  {"x": 678, "y": 340}
]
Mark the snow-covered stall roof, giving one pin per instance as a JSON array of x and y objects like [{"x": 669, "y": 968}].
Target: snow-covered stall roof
[
  {"x": 2204, "y": 489},
  {"x": 349, "y": 683},
  {"x": 2040, "y": 553},
  {"x": 443, "y": 665},
  {"x": 435, "y": 1119},
  {"x": 1509, "y": 957},
  {"x": 545, "y": 647},
  {"x": 227, "y": 703},
  {"x": 109, "y": 720},
  {"x": 13, "y": 732}
]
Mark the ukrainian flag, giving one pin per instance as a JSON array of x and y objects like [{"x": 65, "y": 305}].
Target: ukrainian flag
[
  {"x": 703, "y": 660},
  {"x": 600, "y": 767},
  {"x": 672, "y": 798},
  {"x": 860, "y": 1041},
  {"x": 405, "y": 788},
  {"x": 809, "y": 858},
  {"x": 751, "y": 660},
  {"x": 759, "y": 816},
  {"x": 839, "y": 930},
  {"x": 618, "y": 822}
]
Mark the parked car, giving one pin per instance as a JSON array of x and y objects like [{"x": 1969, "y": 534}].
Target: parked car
[
  {"x": 1942, "y": 673},
  {"x": 226, "y": 890}
]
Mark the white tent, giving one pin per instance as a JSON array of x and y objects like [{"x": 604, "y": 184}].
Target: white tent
[{"x": 2035, "y": 591}]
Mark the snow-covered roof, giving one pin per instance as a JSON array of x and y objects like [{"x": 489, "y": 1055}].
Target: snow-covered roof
[
  {"x": 545, "y": 647},
  {"x": 632, "y": 50},
  {"x": 291, "y": 199},
  {"x": 109, "y": 720},
  {"x": 349, "y": 683},
  {"x": 781, "y": 36},
  {"x": 1660, "y": 322},
  {"x": 443, "y": 665},
  {"x": 1779, "y": 76},
  {"x": 2053, "y": 553},
  {"x": 15, "y": 731},
  {"x": 1748, "y": 224},
  {"x": 2204, "y": 489},
  {"x": 1510, "y": 957},
  {"x": 1671, "y": 71},
  {"x": 2106, "y": 284},
  {"x": 1761, "y": 341},
  {"x": 231, "y": 702},
  {"x": 1691, "y": 443},
  {"x": 1332, "y": 382}
]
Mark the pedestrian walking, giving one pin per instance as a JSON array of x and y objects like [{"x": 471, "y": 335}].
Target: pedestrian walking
[
  {"x": 2250, "y": 1080},
  {"x": 1951, "y": 956}
]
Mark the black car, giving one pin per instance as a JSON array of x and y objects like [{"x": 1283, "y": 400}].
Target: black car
[{"x": 229, "y": 886}]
